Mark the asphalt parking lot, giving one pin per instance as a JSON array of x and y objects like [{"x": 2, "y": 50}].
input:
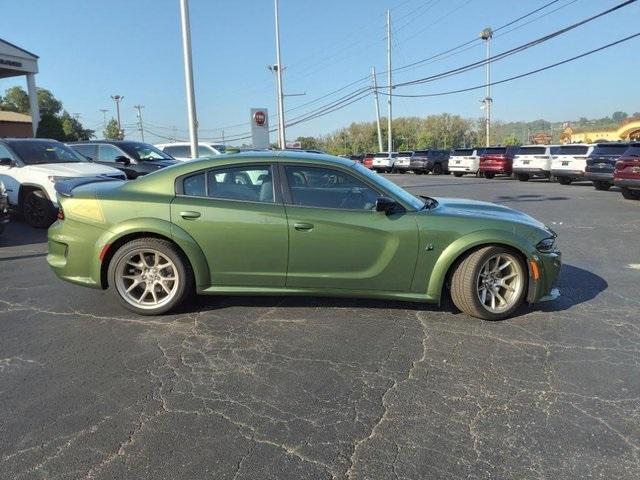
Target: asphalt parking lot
[{"x": 293, "y": 388}]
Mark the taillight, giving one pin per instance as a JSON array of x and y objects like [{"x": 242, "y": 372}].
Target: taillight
[{"x": 60, "y": 215}]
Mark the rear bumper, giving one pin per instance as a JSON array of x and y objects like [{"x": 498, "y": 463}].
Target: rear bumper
[
  {"x": 404, "y": 168},
  {"x": 568, "y": 173},
  {"x": 531, "y": 171},
  {"x": 599, "y": 177},
  {"x": 421, "y": 166},
  {"x": 632, "y": 183},
  {"x": 462, "y": 168},
  {"x": 496, "y": 168}
]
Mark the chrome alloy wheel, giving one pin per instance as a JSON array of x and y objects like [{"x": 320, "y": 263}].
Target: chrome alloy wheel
[
  {"x": 147, "y": 278},
  {"x": 500, "y": 283}
]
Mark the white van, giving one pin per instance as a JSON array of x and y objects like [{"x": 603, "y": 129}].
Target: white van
[
  {"x": 533, "y": 161},
  {"x": 569, "y": 162},
  {"x": 465, "y": 160}
]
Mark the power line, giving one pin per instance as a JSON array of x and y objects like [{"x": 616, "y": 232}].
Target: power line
[{"x": 522, "y": 75}]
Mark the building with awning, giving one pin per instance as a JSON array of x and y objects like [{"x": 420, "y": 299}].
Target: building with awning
[
  {"x": 16, "y": 62},
  {"x": 15, "y": 125}
]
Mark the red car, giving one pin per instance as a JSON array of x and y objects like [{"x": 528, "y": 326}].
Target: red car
[
  {"x": 367, "y": 160},
  {"x": 627, "y": 173},
  {"x": 497, "y": 160}
]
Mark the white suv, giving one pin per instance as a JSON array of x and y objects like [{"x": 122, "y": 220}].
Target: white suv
[
  {"x": 569, "y": 162},
  {"x": 384, "y": 161},
  {"x": 29, "y": 169},
  {"x": 182, "y": 150},
  {"x": 464, "y": 160},
  {"x": 533, "y": 161}
]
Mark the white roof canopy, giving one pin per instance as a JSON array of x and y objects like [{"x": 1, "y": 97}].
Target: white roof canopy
[{"x": 16, "y": 61}]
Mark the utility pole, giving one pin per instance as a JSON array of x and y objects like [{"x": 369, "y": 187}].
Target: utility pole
[
  {"x": 486, "y": 35},
  {"x": 281, "y": 134},
  {"x": 139, "y": 108},
  {"x": 118, "y": 99},
  {"x": 104, "y": 117},
  {"x": 389, "y": 101},
  {"x": 188, "y": 77},
  {"x": 223, "y": 136},
  {"x": 375, "y": 95}
]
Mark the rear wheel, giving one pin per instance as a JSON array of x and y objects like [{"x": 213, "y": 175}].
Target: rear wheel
[
  {"x": 604, "y": 186},
  {"x": 150, "y": 276},
  {"x": 630, "y": 194},
  {"x": 523, "y": 177},
  {"x": 418, "y": 172},
  {"x": 38, "y": 210},
  {"x": 457, "y": 174},
  {"x": 437, "y": 169},
  {"x": 489, "y": 175},
  {"x": 489, "y": 283},
  {"x": 564, "y": 180}
]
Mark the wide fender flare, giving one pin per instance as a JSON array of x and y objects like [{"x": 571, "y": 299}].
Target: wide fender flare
[
  {"x": 163, "y": 228},
  {"x": 469, "y": 242}
]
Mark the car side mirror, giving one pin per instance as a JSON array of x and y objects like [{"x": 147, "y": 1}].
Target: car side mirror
[
  {"x": 122, "y": 159},
  {"x": 6, "y": 162},
  {"x": 385, "y": 204}
]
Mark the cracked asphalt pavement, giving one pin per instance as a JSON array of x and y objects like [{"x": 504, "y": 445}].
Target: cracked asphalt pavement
[{"x": 293, "y": 388}]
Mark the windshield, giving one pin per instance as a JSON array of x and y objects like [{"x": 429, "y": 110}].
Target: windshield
[
  {"x": 612, "y": 149},
  {"x": 391, "y": 187},
  {"x": 33, "y": 152},
  {"x": 144, "y": 152}
]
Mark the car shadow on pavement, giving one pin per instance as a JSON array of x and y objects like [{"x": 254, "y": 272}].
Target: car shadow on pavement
[
  {"x": 576, "y": 286},
  {"x": 19, "y": 233}
]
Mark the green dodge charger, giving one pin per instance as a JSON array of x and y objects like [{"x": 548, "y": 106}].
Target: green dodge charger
[{"x": 284, "y": 223}]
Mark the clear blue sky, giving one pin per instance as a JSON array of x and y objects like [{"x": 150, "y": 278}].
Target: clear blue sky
[{"x": 91, "y": 49}]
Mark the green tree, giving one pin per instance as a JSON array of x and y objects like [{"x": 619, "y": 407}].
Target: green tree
[
  {"x": 73, "y": 129},
  {"x": 50, "y": 126},
  {"x": 111, "y": 132},
  {"x": 511, "y": 140},
  {"x": 308, "y": 143},
  {"x": 619, "y": 116},
  {"x": 16, "y": 99}
]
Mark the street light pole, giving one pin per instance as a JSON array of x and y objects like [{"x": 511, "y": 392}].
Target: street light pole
[
  {"x": 188, "y": 77},
  {"x": 104, "y": 117},
  {"x": 281, "y": 133},
  {"x": 486, "y": 35},
  {"x": 118, "y": 99}
]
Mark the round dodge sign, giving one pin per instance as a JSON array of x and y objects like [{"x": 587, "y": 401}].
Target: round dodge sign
[{"x": 259, "y": 117}]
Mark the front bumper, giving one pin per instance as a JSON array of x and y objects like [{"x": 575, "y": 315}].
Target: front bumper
[{"x": 548, "y": 266}]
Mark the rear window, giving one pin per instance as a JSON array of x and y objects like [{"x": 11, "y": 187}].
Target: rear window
[
  {"x": 405, "y": 154},
  {"x": 572, "y": 150},
  {"x": 531, "y": 151},
  {"x": 495, "y": 151},
  {"x": 385, "y": 155},
  {"x": 633, "y": 150},
  {"x": 462, "y": 152},
  {"x": 612, "y": 149}
]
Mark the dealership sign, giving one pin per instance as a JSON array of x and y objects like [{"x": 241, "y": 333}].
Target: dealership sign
[{"x": 260, "y": 127}]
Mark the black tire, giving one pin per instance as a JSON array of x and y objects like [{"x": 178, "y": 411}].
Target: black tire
[
  {"x": 437, "y": 169},
  {"x": 184, "y": 273},
  {"x": 564, "y": 180},
  {"x": 630, "y": 194},
  {"x": 457, "y": 174},
  {"x": 603, "y": 186},
  {"x": 38, "y": 210},
  {"x": 418, "y": 172},
  {"x": 489, "y": 175},
  {"x": 402, "y": 172},
  {"x": 523, "y": 177},
  {"x": 464, "y": 284}
]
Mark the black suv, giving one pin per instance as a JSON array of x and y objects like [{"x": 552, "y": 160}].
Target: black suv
[
  {"x": 133, "y": 158},
  {"x": 602, "y": 162},
  {"x": 425, "y": 161}
]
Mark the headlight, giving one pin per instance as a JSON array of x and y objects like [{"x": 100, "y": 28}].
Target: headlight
[
  {"x": 548, "y": 245},
  {"x": 55, "y": 179}
]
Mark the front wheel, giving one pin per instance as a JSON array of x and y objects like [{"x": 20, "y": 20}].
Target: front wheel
[
  {"x": 150, "y": 276},
  {"x": 489, "y": 283},
  {"x": 38, "y": 210}
]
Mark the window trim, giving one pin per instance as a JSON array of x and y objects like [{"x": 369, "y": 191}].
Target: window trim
[
  {"x": 179, "y": 183},
  {"x": 286, "y": 191}
]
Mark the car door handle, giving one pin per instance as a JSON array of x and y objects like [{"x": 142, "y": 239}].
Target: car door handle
[
  {"x": 303, "y": 227},
  {"x": 189, "y": 215}
]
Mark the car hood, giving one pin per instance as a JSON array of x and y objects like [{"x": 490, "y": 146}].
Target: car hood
[
  {"x": 161, "y": 163},
  {"x": 473, "y": 209},
  {"x": 75, "y": 169}
]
